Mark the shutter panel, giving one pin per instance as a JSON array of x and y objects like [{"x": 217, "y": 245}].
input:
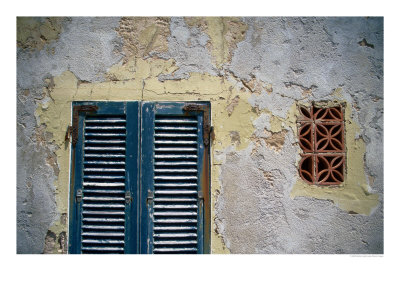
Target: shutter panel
[
  {"x": 172, "y": 169},
  {"x": 106, "y": 181},
  {"x": 103, "y": 204}
]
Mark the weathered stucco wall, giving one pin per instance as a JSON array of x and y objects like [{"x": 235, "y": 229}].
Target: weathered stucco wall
[{"x": 254, "y": 71}]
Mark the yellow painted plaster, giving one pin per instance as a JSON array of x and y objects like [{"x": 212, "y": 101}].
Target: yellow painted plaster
[
  {"x": 143, "y": 34},
  {"x": 56, "y": 115},
  {"x": 276, "y": 124},
  {"x": 352, "y": 195}
]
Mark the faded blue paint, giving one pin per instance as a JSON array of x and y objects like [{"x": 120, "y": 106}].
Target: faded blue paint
[{"x": 139, "y": 172}]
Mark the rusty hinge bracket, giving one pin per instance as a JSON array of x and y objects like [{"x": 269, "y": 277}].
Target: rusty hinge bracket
[
  {"x": 207, "y": 119},
  {"x": 68, "y": 133},
  {"x": 75, "y": 119}
]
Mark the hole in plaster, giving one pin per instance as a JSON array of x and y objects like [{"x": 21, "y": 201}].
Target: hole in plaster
[{"x": 364, "y": 43}]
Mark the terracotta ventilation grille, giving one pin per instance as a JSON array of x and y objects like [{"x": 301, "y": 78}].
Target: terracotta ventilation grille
[{"x": 321, "y": 137}]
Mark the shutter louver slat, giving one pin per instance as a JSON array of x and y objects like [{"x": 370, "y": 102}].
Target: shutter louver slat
[
  {"x": 175, "y": 185},
  {"x": 103, "y": 207}
]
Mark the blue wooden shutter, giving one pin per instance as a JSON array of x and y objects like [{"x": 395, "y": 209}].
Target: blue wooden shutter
[
  {"x": 175, "y": 206},
  {"x": 104, "y": 178}
]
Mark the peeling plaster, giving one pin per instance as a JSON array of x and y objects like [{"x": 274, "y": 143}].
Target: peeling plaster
[
  {"x": 224, "y": 33},
  {"x": 187, "y": 47},
  {"x": 142, "y": 35},
  {"x": 89, "y": 40},
  {"x": 36, "y": 204},
  {"x": 254, "y": 71},
  {"x": 35, "y": 33}
]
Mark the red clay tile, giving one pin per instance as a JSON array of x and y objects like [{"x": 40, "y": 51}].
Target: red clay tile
[
  {"x": 329, "y": 168},
  {"x": 328, "y": 114},
  {"x": 306, "y": 168},
  {"x": 306, "y": 137},
  {"x": 306, "y": 114},
  {"x": 329, "y": 137}
]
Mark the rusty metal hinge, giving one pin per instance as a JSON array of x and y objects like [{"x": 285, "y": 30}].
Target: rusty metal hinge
[
  {"x": 207, "y": 119},
  {"x": 68, "y": 133},
  {"x": 75, "y": 119}
]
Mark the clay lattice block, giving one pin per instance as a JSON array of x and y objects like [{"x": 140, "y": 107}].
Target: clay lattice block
[{"x": 321, "y": 137}]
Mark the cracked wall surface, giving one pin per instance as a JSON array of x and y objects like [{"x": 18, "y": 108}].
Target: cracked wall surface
[{"x": 254, "y": 71}]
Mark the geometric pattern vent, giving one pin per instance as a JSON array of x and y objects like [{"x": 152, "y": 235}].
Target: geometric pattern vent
[{"x": 321, "y": 138}]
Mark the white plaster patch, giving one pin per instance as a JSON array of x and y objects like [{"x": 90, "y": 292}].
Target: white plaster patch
[
  {"x": 86, "y": 48},
  {"x": 187, "y": 47},
  {"x": 276, "y": 104},
  {"x": 262, "y": 123}
]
